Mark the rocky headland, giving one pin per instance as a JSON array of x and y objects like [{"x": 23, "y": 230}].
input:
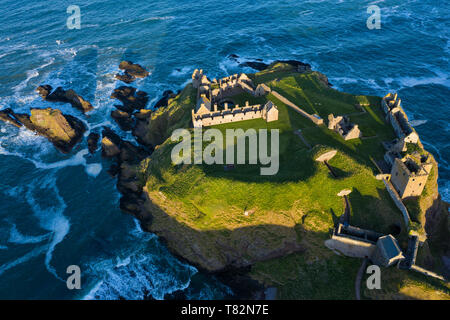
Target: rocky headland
[{"x": 229, "y": 233}]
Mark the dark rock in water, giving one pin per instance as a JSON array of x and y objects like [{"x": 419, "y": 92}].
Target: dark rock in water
[
  {"x": 233, "y": 56},
  {"x": 131, "y": 72},
  {"x": 176, "y": 295},
  {"x": 114, "y": 169},
  {"x": 132, "y": 154},
  {"x": 123, "y": 108},
  {"x": 111, "y": 143},
  {"x": 133, "y": 69},
  {"x": 143, "y": 114},
  {"x": 123, "y": 119},
  {"x": 64, "y": 131},
  {"x": 168, "y": 94},
  {"x": 44, "y": 91},
  {"x": 7, "y": 115},
  {"x": 61, "y": 95},
  {"x": 24, "y": 119},
  {"x": 255, "y": 65},
  {"x": 140, "y": 130},
  {"x": 131, "y": 204},
  {"x": 241, "y": 284},
  {"x": 130, "y": 99},
  {"x": 92, "y": 141},
  {"x": 125, "y": 77}
]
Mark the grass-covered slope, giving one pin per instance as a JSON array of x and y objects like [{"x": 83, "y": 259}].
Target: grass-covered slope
[
  {"x": 217, "y": 217},
  {"x": 176, "y": 115}
]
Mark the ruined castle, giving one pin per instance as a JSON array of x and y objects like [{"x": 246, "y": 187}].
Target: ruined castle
[
  {"x": 212, "y": 93},
  {"x": 408, "y": 173},
  {"x": 398, "y": 118},
  {"x": 343, "y": 126}
]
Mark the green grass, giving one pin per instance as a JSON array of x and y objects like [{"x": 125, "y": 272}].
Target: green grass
[
  {"x": 301, "y": 180},
  {"x": 301, "y": 196},
  {"x": 299, "y": 276}
]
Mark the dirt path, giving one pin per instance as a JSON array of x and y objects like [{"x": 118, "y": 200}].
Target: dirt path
[{"x": 299, "y": 134}]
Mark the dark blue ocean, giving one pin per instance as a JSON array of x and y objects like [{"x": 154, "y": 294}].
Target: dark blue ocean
[{"x": 58, "y": 210}]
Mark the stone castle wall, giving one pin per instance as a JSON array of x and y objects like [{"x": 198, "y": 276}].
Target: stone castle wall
[
  {"x": 397, "y": 117},
  {"x": 268, "y": 112}
]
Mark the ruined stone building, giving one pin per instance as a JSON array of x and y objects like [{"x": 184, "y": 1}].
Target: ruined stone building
[
  {"x": 343, "y": 126},
  {"x": 398, "y": 118},
  {"x": 203, "y": 117},
  {"x": 261, "y": 90},
  {"x": 351, "y": 241},
  {"x": 410, "y": 174},
  {"x": 212, "y": 93},
  {"x": 387, "y": 252},
  {"x": 394, "y": 151}
]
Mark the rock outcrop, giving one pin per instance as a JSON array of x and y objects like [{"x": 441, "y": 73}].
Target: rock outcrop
[
  {"x": 65, "y": 96},
  {"x": 110, "y": 143},
  {"x": 259, "y": 65},
  {"x": 131, "y": 72},
  {"x": 64, "y": 131},
  {"x": 92, "y": 141},
  {"x": 168, "y": 94},
  {"x": 123, "y": 119},
  {"x": 127, "y": 157},
  {"x": 131, "y": 99},
  {"x": 7, "y": 115}
]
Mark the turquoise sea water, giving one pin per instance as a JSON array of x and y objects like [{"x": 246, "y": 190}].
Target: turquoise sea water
[{"x": 57, "y": 210}]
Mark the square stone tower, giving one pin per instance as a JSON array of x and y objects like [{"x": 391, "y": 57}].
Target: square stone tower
[{"x": 409, "y": 177}]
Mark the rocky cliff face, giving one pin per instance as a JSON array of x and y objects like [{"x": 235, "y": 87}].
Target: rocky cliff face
[
  {"x": 436, "y": 222},
  {"x": 215, "y": 250},
  {"x": 153, "y": 129}
]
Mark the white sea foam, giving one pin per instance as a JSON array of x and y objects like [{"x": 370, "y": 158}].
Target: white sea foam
[
  {"x": 15, "y": 236},
  {"x": 30, "y": 255},
  {"x": 77, "y": 160},
  {"x": 441, "y": 159},
  {"x": 416, "y": 123},
  {"x": 440, "y": 78},
  {"x": 93, "y": 169},
  {"x": 181, "y": 72},
  {"x": 50, "y": 218},
  {"x": 140, "y": 276},
  {"x": 133, "y": 272},
  {"x": 132, "y": 21},
  {"x": 34, "y": 73},
  {"x": 123, "y": 263},
  {"x": 159, "y": 18},
  {"x": 445, "y": 191}
]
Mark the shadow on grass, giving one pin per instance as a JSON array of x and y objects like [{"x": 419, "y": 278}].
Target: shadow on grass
[{"x": 230, "y": 253}]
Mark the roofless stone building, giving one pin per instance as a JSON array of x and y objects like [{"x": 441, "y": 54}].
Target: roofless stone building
[{"x": 211, "y": 93}]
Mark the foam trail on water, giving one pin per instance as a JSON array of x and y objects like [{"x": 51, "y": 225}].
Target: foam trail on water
[
  {"x": 51, "y": 217},
  {"x": 16, "y": 237},
  {"x": 25, "y": 258}
]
